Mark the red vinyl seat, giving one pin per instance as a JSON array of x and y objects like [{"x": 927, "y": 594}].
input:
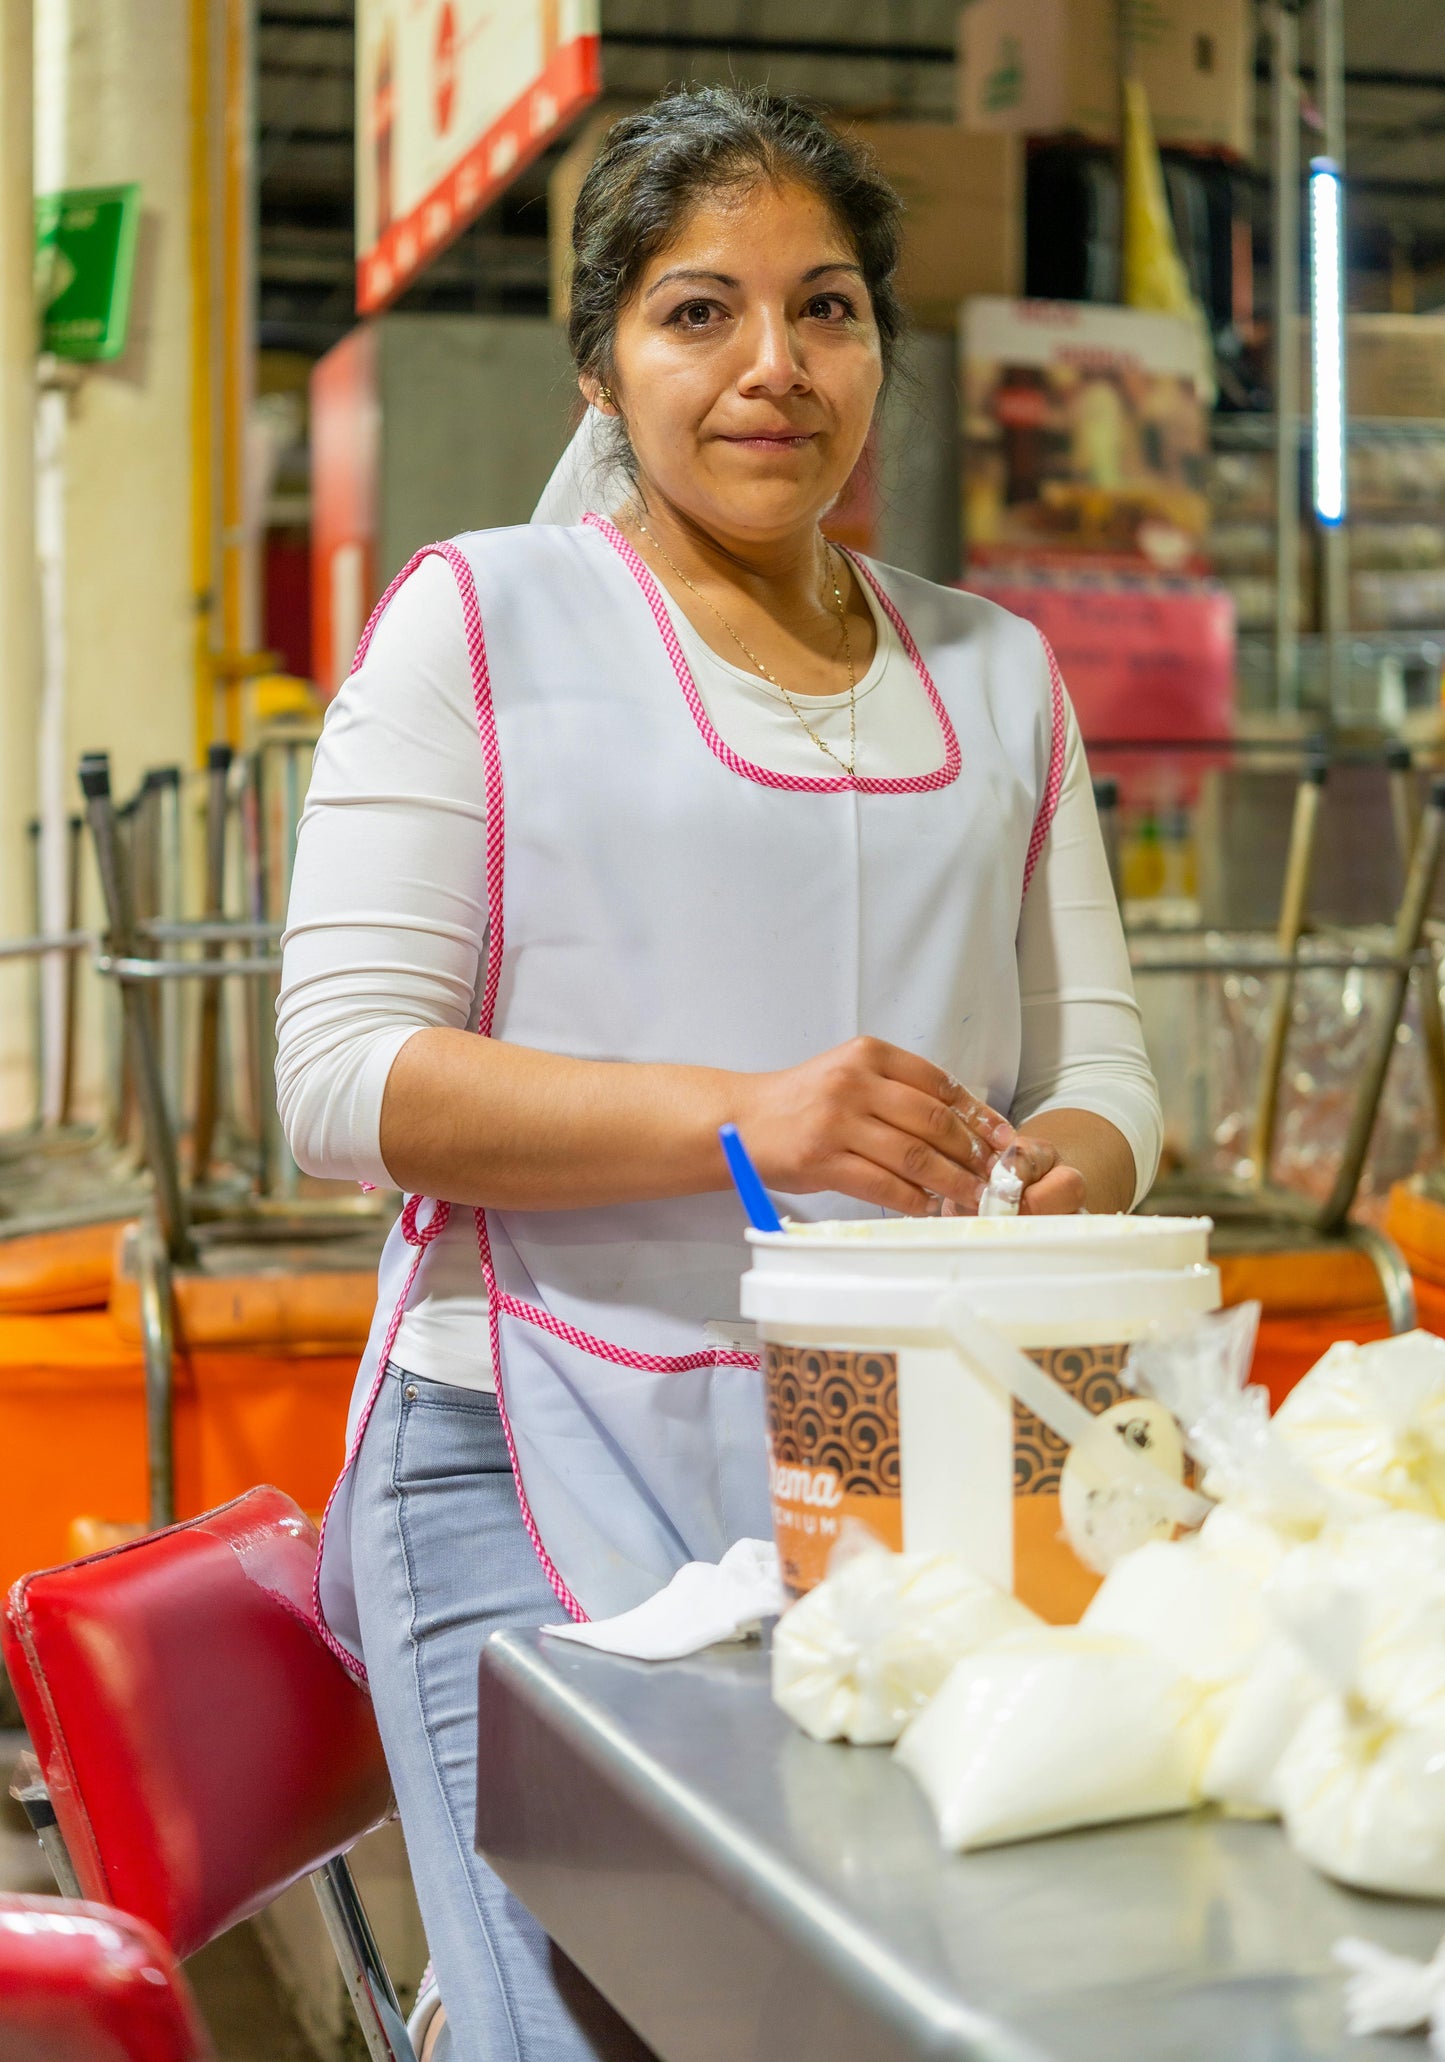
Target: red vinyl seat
[
  {"x": 201, "y": 1746},
  {"x": 79, "y": 1983}
]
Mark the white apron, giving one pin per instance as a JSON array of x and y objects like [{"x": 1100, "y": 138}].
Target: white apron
[{"x": 654, "y": 897}]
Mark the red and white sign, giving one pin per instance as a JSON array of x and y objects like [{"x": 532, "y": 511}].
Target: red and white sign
[
  {"x": 1145, "y": 662},
  {"x": 453, "y": 98},
  {"x": 345, "y": 456}
]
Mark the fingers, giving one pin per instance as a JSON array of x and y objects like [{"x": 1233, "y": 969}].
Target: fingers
[
  {"x": 916, "y": 1162},
  {"x": 895, "y": 1064},
  {"x": 854, "y": 1176},
  {"x": 1060, "y": 1193},
  {"x": 940, "y": 1125},
  {"x": 1033, "y": 1159}
]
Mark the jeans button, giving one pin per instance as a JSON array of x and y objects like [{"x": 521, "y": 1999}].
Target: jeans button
[{"x": 409, "y": 1392}]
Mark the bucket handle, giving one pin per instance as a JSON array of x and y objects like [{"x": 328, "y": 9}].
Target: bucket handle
[{"x": 981, "y": 1346}]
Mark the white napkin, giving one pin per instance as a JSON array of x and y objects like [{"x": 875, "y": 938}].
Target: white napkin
[
  {"x": 1388, "y": 1993},
  {"x": 705, "y": 1603}
]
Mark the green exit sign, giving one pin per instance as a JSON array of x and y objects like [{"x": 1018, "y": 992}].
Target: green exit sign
[{"x": 84, "y": 258}]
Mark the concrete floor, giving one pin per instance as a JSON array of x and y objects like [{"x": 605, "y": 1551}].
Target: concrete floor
[{"x": 237, "y": 1993}]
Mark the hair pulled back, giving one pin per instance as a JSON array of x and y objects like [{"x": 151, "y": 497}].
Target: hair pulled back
[{"x": 657, "y": 165}]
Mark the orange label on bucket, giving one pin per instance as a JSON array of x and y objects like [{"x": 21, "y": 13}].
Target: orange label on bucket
[
  {"x": 834, "y": 1456},
  {"x": 832, "y": 1453}
]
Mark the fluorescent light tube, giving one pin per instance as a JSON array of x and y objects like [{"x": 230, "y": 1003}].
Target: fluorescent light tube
[{"x": 1327, "y": 337}]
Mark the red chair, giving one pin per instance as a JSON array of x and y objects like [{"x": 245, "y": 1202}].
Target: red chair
[
  {"x": 200, "y": 1747},
  {"x": 79, "y": 1983}
]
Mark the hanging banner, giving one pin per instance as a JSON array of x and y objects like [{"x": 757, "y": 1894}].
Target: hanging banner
[{"x": 453, "y": 99}]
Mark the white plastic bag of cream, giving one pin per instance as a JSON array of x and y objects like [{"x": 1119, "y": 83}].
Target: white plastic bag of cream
[
  {"x": 1250, "y": 1686},
  {"x": 1369, "y": 1422},
  {"x": 1047, "y": 1730},
  {"x": 861, "y": 1654},
  {"x": 1392, "y": 1568},
  {"x": 1361, "y": 1785},
  {"x": 1364, "y": 1800},
  {"x": 1196, "y": 1610}
]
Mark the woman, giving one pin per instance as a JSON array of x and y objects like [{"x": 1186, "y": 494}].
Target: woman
[{"x": 694, "y": 818}]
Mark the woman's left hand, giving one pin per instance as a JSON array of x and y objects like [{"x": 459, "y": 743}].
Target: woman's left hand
[{"x": 1052, "y": 1188}]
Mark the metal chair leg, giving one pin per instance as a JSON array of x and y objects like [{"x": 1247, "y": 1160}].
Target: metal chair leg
[
  {"x": 370, "y": 1988},
  {"x": 1395, "y": 1277},
  {"x": 208, "y": 1044},
  {"x": 166, "y": 785},
  {"x": 1409, "y": 929},
  {"x": 1293, "y": 914},
  {"x": 75, "y": 830},
  {"x": 160, "y": 1144},
  {"x": 33, "y": 1798},
  {"x": 1405, "y": 810},
  {"x": 157, "y": 1319}
]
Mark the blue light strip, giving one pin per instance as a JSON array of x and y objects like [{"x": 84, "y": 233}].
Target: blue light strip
[{"x": 1327, "y": 337}]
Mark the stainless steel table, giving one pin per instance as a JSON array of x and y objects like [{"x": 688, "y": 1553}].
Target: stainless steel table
[{"x": 742, "y": 1894}]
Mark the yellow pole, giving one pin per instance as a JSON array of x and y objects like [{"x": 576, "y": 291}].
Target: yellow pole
[
  {"x": 203, "y": 525},
  {"x": 237, "y": 632}
]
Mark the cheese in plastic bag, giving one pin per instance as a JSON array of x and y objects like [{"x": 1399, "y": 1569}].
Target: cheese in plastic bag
[
  {"x": 1364, "y": 1800},
  {"x": 1258, "y": 1721},
  {"x": 1052, "y": 1729},
  {"x": 1361, "y": 1785},
  {"x": 1369, "y": 1422},
  {"x": 858, "y": 1656},
  {"x": 1250, "y": 1685},
  {"x": 1194, "y": 1608}
]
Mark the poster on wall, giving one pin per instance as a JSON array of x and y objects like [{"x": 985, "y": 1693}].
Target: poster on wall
[
  {"x": 453, "y": 99},
  {"x": 1086, "y": 437}
]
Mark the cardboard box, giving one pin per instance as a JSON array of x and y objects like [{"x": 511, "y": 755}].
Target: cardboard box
[
  {"x": 963, "y": 195},
  {"x": 1395, "y": 370},
  {"x": 1396, "y": 366},
  {"x": 963, "y": 223},
  {"x": 1049, "y": 67}
]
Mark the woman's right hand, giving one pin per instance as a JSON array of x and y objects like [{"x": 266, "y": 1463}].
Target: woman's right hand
[{"x": 873, "y": 1122}]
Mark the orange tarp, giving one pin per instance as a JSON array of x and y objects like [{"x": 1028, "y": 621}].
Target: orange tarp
[
  {"x": 72, "y": 1426},
  {"x": 58, "y": 1270},
  {"x": 1310, "y": 1299},
  {"x": 303, "y": 1313}
]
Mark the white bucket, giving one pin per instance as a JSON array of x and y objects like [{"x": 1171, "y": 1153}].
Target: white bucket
[{"x": 875, "y": 1416}]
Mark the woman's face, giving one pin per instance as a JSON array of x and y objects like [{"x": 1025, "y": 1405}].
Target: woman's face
[{"x": 747, "y": 363}]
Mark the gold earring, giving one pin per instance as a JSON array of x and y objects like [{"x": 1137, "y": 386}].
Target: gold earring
[{"x": 604, "y": 398}]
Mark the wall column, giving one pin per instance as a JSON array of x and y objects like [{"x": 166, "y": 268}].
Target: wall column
[
  {"x": 128, "y": 445},
  {"x": 19, "y": 633}
]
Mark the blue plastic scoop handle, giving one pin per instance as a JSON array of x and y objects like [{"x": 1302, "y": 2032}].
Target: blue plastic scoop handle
[{"x": 746, "y": 1180}]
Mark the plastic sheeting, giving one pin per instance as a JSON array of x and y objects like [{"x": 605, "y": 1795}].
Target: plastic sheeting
[{"x": 1206, "y": 1035}]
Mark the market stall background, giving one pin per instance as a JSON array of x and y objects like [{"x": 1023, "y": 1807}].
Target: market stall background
[{"x": 1086, "y": 462}]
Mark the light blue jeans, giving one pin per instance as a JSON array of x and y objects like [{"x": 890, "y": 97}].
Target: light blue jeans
[{"x": 441, "y": 1559}]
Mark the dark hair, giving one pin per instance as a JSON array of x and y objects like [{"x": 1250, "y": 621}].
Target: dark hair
[{"x": 656, "y": 165}]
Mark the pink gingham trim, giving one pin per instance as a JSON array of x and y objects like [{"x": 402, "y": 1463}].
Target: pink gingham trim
[
  {"x": 421, "y": 1239},
  {"x": 834, "y": 784},
  {"x": 1055, "y": 781}
]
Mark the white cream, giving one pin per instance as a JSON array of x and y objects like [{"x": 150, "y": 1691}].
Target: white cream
[
  {"x": 1005, "y": 1189},
  {"x": 1051, "y": 1729}
]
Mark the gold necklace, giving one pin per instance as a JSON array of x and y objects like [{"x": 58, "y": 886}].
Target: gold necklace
[{"x": 851, "y": 761}]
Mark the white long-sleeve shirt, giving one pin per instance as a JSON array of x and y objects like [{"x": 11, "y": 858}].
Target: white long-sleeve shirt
[{"x": 387, "y": 928}]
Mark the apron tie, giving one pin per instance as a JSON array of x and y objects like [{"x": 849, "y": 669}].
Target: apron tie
[{"x": 436, "y": 1224}]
